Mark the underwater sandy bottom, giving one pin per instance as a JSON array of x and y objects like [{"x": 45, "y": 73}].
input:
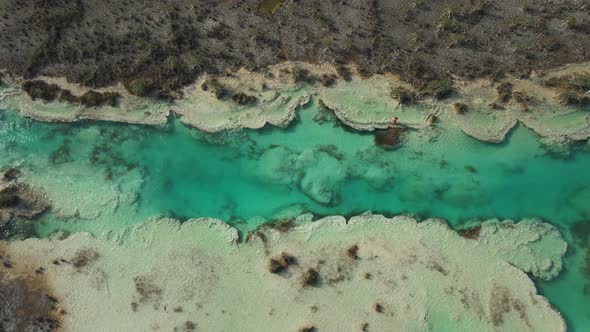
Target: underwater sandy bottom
[{"x": 129, "y": 174}]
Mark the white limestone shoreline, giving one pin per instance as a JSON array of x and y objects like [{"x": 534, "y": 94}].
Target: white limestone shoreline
[
  {"x": 372, "y": 271},
  {"x": 364, "y": 104}
]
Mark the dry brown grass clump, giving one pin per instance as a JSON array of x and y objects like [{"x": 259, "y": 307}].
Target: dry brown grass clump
[
  {"x": 281, "y": 263},
  {"x": 459, "y": 108},
  {"x": 307, "y": 328},
  {"x": 574, "y": 89},
  {"x": 352, "y": 251},
  {"x": 310, "y": 278}
]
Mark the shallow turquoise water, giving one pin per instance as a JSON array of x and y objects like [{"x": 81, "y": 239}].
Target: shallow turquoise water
[{"x": 240, "y": 176}]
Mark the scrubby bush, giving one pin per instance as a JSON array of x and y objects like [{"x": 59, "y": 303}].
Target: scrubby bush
[
  {"x": 570, "y": 97},
  {"x": 403, "y": 95},
  {"x": 140, "y": 86},
  {"x": 459, "y": 108},
  {"x": 573, "y": 88},
  {"x": 504, "y": 92},
  {"x": 215, "y": 87},
  {"x": 310, "y": 278},
  {"x": 328, "y": 79},
  {"x": 570, "y": 22},
  {"x": 344, "y": 72},
  {"x": 438, "y": 88},
  {"x": 243, "y": 99},
  {"x": 41, "y": 89},
  {"x": 66, "y": 96},
  {"x": 302, "y": 75},
  {"x": 96, "y": 99},
  {"x": 270, "y": 6}
]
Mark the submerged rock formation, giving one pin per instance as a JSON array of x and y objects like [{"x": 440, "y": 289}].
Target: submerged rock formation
[
  {"x": 389, "y": 138},
  {"x": 18, "y": 200}
]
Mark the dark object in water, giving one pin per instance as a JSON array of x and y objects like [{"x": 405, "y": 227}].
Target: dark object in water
[
  {"x": 19, "y": 200},
  {"x": 390, "y": 137},
  {"x": 9, "y": 197},
  {"x": 282, "y": 226},
  {"x": 10, "y": 173},
  {"x": 471, "y": 169}
]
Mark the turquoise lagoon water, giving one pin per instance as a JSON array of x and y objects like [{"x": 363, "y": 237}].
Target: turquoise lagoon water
[{"x": 249, "y": 177}]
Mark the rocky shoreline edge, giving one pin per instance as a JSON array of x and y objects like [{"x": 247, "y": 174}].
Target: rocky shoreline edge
[{"x": 552, "y": 104}]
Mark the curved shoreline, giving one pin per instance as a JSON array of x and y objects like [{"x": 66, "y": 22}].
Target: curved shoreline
[{"x": 363, "y": 104}]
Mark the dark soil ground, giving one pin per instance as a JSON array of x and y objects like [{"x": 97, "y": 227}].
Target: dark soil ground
[{"x": 165, "y": 44}]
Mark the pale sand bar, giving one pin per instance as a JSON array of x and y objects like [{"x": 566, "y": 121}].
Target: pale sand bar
[{"x": 407, "y": 276}]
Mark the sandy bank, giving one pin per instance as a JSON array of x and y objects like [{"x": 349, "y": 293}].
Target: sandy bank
[{"x": 370, "y": 271}]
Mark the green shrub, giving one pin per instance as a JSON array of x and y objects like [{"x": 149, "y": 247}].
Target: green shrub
[
  {"x": 66, "y": 96},
  {"x": 403, "y": 95},
  {"x": 580, "y": 82},
  {"x": 215, "y": 87},
  {"x": 569, "y": 97},
  {"x": 270, "y": 6},
  {"x": 504, "y": 92},
  {"x": 243, "y": 99},
  {"x": 572, "y": 88},
  {"x": 576, "y": 81},
  {"x": 570, "y": 22},
  {"x": 41, "y": 89},
  {"x": 96, "y": 99},
  {"x": 439, "y": 88},
  {"x": 459, "y": 108},
  {"x": 140, "y": 86},
  {"x": 302, "y": 75}
]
